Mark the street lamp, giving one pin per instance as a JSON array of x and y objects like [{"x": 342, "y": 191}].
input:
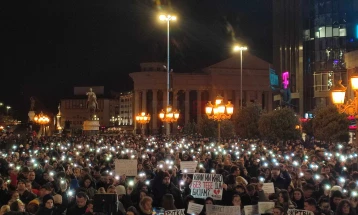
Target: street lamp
[
  {"x": 7, "y": 109},
  {"x": 168, "y": 18},
  {"x": 240, "y": 49},
  {"x": 219, "y": 111},
  {"x": 42, "y": 120},
  {"x": 95, "y": 118},
  {"x": 169, "y": 115},
  {"x": 338, "y": 95},
  {"x": 142, "y": 118}
]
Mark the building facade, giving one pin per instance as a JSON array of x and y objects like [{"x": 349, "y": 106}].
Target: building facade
[
  {"x": 319, "y": 32},
  {"x": 75, "y": 111},
  {"x": 126, "y": 114},
  {"x": 288, "y": 49},
  {"x": 191, "y": 91}
]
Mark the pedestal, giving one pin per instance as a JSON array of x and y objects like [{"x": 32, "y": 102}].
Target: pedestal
[
  {"x": 31, "y": 115},
  {"x": 91, "y": 127}
]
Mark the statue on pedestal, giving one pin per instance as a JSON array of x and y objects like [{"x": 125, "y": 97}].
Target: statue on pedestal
[
  {"x": 92, "y": 104},
  {"x": 32, "y": 104}
]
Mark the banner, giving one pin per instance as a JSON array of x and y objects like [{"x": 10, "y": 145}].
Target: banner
[
  {"x": 223, "y": 210},
  {"x": 207, "y": 185},
  {"x": 299, "y": 212},
  {"x": 127, "y": 167},
  {"x": 175, "y": 212}
]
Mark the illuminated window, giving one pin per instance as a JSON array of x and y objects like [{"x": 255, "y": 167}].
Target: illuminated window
[{"x": 342, "y": 32}]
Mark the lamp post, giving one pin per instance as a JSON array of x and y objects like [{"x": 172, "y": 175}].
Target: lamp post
[
  {"x": 219, "y": 111},
  {"x": 168, "y": 18},
  {"x": 236, "y": 49},
  {"x": 143, "y": 118},
  {"x": 42, "y": 120},
  {"x": 169, "y": 116},
  {"x": 338, "y": 92},
  {"x": 7, "y": 109}
]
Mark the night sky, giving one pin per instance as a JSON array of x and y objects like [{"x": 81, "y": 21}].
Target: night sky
[{"x": 49, "y": 46}]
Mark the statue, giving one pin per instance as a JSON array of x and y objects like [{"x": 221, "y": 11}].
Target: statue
[
  {"x": 92, "y": 104},
  {"x": 32, "y": 104}
]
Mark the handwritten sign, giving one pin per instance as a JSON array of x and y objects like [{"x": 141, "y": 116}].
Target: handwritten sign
[
  {"x": 265, "y": 207},
  {"x": 268, "y": 188},
  {"x": 188, "y": 166},
  {"x": 127, "y": 167},
  {"x": 175, "y": 212},
  {"x": 299, "y": 212},
  {"x": 207, "y": 185},
  {"x": 251, "y": 209},
  {"x": 194, "y": 208},
  {"x": 223, "y": 210}
]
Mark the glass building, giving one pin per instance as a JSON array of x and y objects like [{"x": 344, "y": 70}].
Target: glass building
[{"x": 327, "y": 29}]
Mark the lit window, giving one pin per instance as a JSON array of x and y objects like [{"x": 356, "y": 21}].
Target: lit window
[
  {"x": 322, "y": 32},
  {"x": 336, "y": 32},
  {"x": 328, "y": 31},
  {"x": 342, "y": 32}
]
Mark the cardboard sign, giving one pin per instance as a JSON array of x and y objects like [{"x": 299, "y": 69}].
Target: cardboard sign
[
  {"x": 207, "y": 185},
  {"x": 127, "y": 167}
]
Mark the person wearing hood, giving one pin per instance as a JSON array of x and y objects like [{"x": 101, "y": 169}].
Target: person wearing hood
[{"x": 48, "y": 207}]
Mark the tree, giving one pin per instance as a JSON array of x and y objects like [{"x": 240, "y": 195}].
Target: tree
[
  {"x": 209, "y": 128},
  {"x": 279, "y": 125},
  {"x": 329, "y": 125},
  {"x": 247, "y": 121}
]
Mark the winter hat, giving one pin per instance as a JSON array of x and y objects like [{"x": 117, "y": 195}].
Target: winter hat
[
  {"x": 57, "y": 199},
  {"x": 46, "y": 198},
  {"x": 120, "y": 190},
  {"x": 166, "y": 174}
]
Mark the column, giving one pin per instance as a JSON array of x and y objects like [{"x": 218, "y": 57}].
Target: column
[
  {"x": 225, "y": 96},
  {"x": 154, "y": 116},
  {"x": 136, "y": 109},
  {"x": 175, "y": 107},
  {"x": 198, "y": 98},
  {"x": 187, "y": 106},
  {"x": 259, "y": 98},
  {"x": 237, "y": 100},
  {"x": 248, "y": 97},
  {"x": 144, "y": 101}
]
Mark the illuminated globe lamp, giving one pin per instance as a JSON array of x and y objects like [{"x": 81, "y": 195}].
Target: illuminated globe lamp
[
  {"x": 338, "y": 92},
  {"x": 142, "y": 118},
  {"x": 169, "y": 115},
  {"x": 219, "y": 111},
  {"x": 354, "y": 80},
  {"x": 43, "y": 120}
]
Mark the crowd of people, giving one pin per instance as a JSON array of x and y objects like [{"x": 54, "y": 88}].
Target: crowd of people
[{"x": 63, "y": 175}]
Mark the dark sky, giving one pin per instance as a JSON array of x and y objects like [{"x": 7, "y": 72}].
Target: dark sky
[{"x": 49, "y": 46}]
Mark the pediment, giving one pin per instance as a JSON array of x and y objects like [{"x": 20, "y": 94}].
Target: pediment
[{"x": 249, "y": 62}]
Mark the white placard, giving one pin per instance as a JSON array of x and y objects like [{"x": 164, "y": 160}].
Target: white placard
[
  {"x": 127, "y": 167},
  {"x": 265, "y": 207},
  {"x": 188, "y": 166},
  {"x": 222, "y": 210},
  {"x": 194, "y": 208},
  {"x": 207, "y": 185},
  {"x": 175, "y": 212},
  {"x": 268, "y": 188},
  {"x": 251, "y": 209},
  {"x": 299, "y": 212}
]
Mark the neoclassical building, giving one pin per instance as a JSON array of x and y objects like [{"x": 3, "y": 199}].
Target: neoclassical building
[{"x": 191, "y": 91}]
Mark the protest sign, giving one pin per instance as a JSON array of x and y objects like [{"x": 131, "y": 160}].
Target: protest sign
[
  {"x": 188, "y": 166},
  {"x": 251, "y": 209},
  {"x": 266, "y": 207},
  {"x": 222, "y": 210},
  {"x": 127, "y": 167},
  {"x": 175, "y": 212},
  {"x": 194, "y": 208},
  {"x": 207, "y": 185},
  {"x": 268, "y": 188},
  {"x": 299, "y": 212}
]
